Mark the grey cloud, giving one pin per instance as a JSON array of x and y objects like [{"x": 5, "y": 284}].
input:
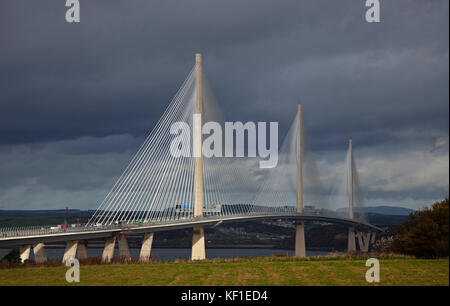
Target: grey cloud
[{"x": 68, "y": 90}]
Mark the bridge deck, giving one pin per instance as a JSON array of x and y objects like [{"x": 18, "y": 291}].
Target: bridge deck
[{"x": 48, "y": 235}]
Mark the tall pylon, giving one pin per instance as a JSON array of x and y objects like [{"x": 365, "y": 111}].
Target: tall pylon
[
  {"x": 351, "y": 245},
  {"x": 300, "y": 250},
  {"x": 198, "y": 237}
]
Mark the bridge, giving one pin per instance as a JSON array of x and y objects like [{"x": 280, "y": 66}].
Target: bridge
[{"x": 168, "y": 187}]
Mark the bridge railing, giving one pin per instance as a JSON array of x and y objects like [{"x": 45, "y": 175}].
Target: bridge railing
[{"x": 46, "y": 230}]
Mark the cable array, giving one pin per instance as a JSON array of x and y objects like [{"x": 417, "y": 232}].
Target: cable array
[
  {"x": 157, "y": 186},
  {"x": 278, "y": 192}
]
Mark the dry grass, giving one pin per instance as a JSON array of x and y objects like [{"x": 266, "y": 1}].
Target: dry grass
[
  {"x": 336, "y": 269},
  {"x": 280, "y": 257},
  {"x": 283, "y": 257},
  {"x": 84, "y": 262}
]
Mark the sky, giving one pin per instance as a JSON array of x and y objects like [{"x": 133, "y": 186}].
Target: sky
[{"x": 77, "y": 100}]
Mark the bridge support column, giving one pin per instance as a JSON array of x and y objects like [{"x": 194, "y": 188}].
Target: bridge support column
[
  {"x": 124, "y": 251},
  {"x": 71, "y": 250},
  {"x": 364, "y": 241},
  {"x": 108, "y": 251},
  {"x": 39, "y": 253},
  {"x": 351, "y": 244},
  {"x": 146, "y": 247},
  {"x": 24, "y": 252},
  {"x": 300, "y": 250},
  {"x": 198, "y": 244},
  {"x": 198, "y": 236},
  {"x": 82, "y": 250}
]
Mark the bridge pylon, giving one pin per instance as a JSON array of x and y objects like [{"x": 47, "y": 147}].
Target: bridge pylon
[
  {"x": 351, "y": 244},
  {"x": 300, "y": 249},
  {"x": 198, "y": 237}
]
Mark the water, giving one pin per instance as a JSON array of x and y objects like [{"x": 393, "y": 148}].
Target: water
[{"x": 166, "y": 254}]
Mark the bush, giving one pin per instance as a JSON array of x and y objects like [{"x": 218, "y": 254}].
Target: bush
[
  {"x": 384, "y": 245},
  {"x": 12, "y": 257},
  {"x": 424, "y": 233}
]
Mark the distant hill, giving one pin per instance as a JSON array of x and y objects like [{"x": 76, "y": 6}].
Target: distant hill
[
  {"x": 381, "y": 210},
  {"x": 389, "y": 210},
  {"x": 385, "y": 220}
]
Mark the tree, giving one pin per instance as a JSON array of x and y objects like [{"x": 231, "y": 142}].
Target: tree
[
  {"x": 12, "y": 257},
  {"x": 424, "y": 233}
]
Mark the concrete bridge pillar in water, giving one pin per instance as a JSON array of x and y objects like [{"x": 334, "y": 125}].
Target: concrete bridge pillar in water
[
  {"x": 110, "y": 244},
  {"x": 70, "y": 251},
  {"x": 351, "y": 244},
  {"x": 39, "y": 253},
  {"x": 82, "y": 250},
  {"x": 124, "y": 251},
  {"x": 108, "y": 251},
  {"x": 364, "y": 240},
  {"x": 146, "y": 247},
  {"x": 74, "y": 249},
  {"x": 24, "y": 252},
  {"x": 38, "y": 250}
]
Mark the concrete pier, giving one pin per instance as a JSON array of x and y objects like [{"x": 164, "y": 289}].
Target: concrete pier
[
  {"x": 363, "y": 241},
  {"x": 146, "y": 247},
  {"x": 198, "y": 244},
  {"x": 25, "y": 252},
  {"x": 70, "y": 251},
  {"x": 124, "y": 251},
  {"x": 108, "y": 251},
  {"x": 351, "y": 244},
  {"x": 82, "y": 250},
  {"x": 39, "y": 253},
  {"x": 300, "y": 250}
]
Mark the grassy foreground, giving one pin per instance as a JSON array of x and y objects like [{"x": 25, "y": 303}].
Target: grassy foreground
[{"x": 240, "y": 271}]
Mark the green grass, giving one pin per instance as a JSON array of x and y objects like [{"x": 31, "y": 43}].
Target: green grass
[{"x": 252, "y": 271}]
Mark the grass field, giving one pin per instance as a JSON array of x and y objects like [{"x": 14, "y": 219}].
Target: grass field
[{"x": 254, "y": 271}]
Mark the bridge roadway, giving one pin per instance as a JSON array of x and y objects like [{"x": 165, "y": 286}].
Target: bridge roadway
[{"x": 86, "y": 233}]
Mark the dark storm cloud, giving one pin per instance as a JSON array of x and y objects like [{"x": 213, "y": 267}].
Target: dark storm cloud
[{"x": 116, "y": 71}]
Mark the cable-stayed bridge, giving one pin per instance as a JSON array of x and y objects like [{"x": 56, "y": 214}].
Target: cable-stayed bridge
[{"x": 171, "y": 184}]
